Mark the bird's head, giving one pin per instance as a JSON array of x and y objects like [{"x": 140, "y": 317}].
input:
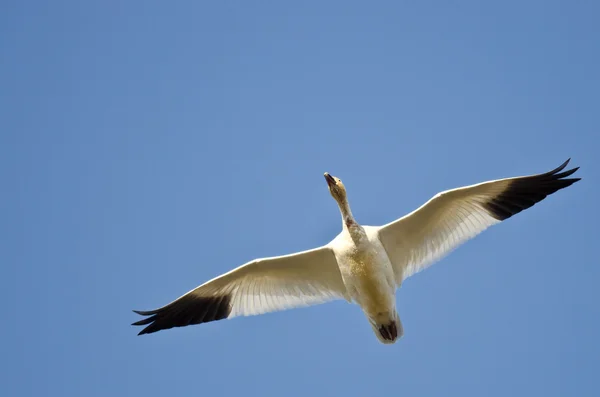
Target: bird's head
[{"x": 336, "y": 187}]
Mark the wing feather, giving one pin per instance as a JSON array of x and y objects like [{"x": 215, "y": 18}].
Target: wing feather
[
  {"x": 260, "y": 286},
  {"x": 450, "y": 218}
]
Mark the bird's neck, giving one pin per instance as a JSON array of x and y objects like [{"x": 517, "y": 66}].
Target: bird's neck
[{"x": 347, "y": 217}]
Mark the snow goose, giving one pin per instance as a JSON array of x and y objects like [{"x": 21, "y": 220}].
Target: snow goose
[{"x": 363, "y": 264}]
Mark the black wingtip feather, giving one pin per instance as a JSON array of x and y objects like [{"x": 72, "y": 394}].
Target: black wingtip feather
[
  {"x": 144, "y": 321},
  {"x": 145, "y": 313},
  {"x": 567, "y": 173},
  {"x": 557, "y": 169},
  {"x": 525, "y": 192},
  {"x": 187, "y": 310}
]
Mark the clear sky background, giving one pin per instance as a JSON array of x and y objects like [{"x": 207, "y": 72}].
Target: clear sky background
[{"x": 146, "y": 147}]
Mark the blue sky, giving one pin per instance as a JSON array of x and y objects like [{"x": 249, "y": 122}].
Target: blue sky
[{"x": 146, "y": 148}]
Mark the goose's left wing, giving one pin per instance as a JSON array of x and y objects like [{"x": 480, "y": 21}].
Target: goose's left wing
[
  {"x": 452, "y": 217},
  {"x": 260, "y": 286}
]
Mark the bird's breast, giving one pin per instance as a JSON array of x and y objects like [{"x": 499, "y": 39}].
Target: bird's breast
[{"x": 367, "y": 273}]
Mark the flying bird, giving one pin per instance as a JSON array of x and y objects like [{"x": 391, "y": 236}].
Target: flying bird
[{"x": 362, "y": 264}]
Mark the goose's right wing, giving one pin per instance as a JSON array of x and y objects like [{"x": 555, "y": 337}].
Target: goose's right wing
[
  {"x": 260, "y": 286},
  {"x": 452, "y": 217}
]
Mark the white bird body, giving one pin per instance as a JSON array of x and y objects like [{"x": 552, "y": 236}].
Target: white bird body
[
  {"x": 367, "y": 273},
  {"x": 363, "y": 264}
]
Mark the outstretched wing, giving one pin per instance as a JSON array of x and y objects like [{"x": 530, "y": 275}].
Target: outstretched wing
[
  {"x": 260, "y": 286},
  {"x": 450, "y": 218}
]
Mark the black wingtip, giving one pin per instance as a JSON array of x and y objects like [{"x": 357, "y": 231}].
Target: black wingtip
[
  {"x": 187, "y": 310},
  {"x": 524, "y": 192},
  {"x": 145, "y": 321}
]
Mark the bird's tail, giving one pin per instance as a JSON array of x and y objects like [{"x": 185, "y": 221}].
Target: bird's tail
[{"x": 390, "y": 331}]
